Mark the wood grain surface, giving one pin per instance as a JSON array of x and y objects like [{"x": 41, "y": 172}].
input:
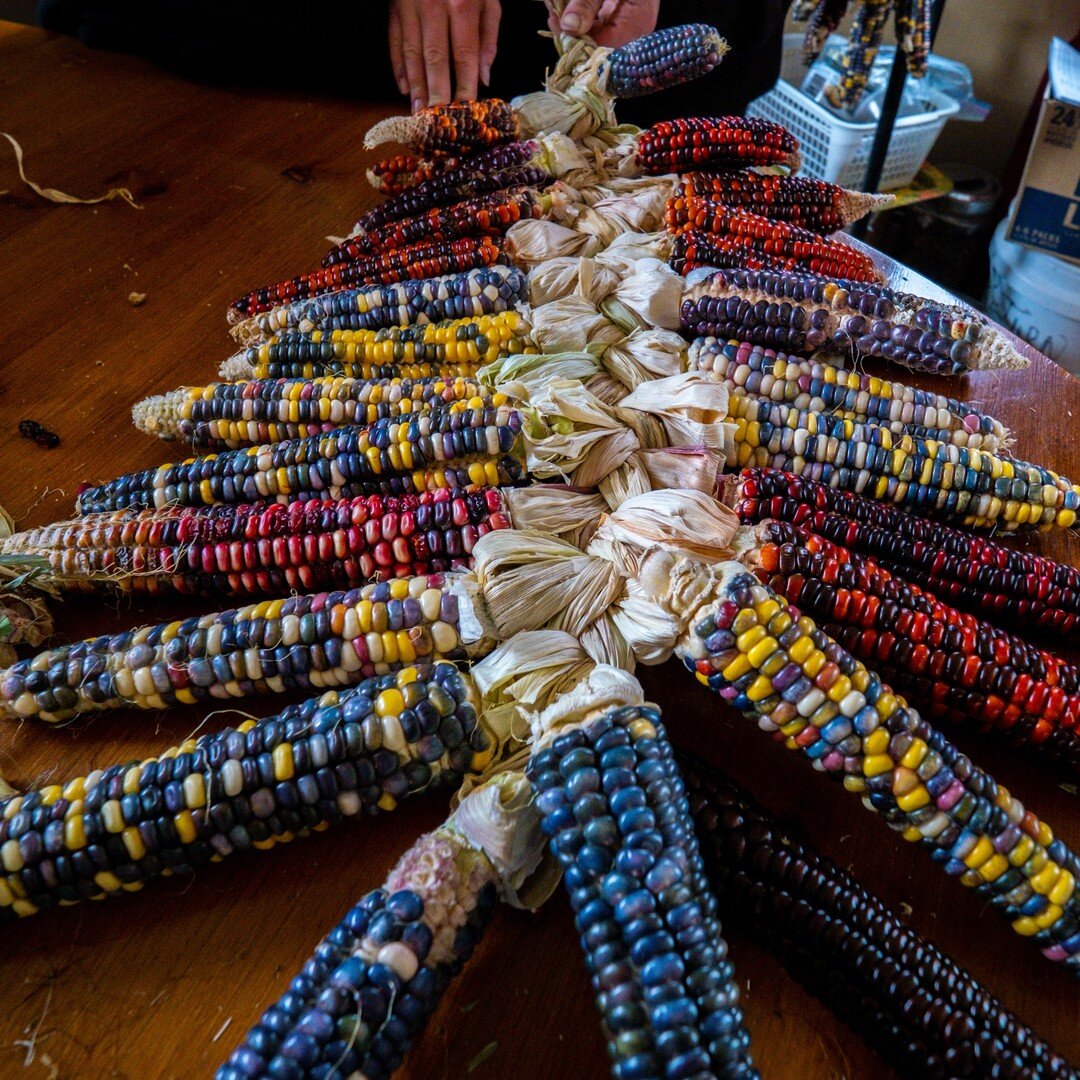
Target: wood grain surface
[{"x": 240, "y": 189}]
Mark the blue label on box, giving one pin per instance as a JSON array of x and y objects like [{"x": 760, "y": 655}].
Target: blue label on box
[{"x": 1048, "y": 221}]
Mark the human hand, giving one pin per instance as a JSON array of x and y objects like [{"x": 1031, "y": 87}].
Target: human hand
[
  {"x": 607, "y": 22},
  {"x": 427, "y": 36}
]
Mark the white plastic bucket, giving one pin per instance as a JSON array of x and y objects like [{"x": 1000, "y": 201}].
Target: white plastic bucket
[{"x": 1037, "y": 296}]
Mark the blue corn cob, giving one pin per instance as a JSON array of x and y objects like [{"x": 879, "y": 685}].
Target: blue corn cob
[{"x": 662, "y": 59}]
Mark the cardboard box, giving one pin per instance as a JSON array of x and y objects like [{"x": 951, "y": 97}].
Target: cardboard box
[{"x": 1046, "y": 213}]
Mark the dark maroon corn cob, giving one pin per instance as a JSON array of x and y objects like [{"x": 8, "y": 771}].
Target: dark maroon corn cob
[
  {"x": 715, "y": 142},
  {"x": 663, "y": 59}
]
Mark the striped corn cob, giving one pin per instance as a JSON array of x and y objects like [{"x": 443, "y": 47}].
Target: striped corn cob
[
  {"x": 715, "y": 142},
  {"x": 970, "y": 487},
  {"x": 272, "y": 549},
  {"x": 662, "y": 59},
  {"x": 490, "y": 214},
  {"x": 460, "y": 127},
  {"x": 230, "y": 415},
  {"x": 849, "y": 395},
  {"x": 910, "y": 1001},
  {"x": 926, "y": 648},
  {"x": 615, "y": 809},
  {"x": 486, "y": 290},
  {"x": 867, "y": 28},
  {"x": 977, "y": 575},
  {"x": 358, "y": 751},
  {"x": 777, "y": 241},
  {"x": 864, "y": 320},
  {"x": 311, "y": 642},
  {"x": 374, "y": 981},
  {"x": 453, "y": 347},
  {"x": 423, "y": 260},
  {"x": 490, "y": 170},
  {"x": 777, "y": 667},
  {"x": 811, "y": 204},
  {"x": 390, "y": 457}
]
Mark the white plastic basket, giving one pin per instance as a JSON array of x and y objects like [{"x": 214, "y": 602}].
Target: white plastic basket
[{"x": 835, "y": 150}]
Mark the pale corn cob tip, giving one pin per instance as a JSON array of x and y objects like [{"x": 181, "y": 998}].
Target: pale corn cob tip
[
  {"x": 236, "y": 368},
  {"x": 395, "y": 129},
  {"x": 857, "y": 204},
  {"x": 159, "y": 414}
]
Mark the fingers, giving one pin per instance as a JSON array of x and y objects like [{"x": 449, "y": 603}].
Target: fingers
[
  {"x": 435, "y": 30},
  {"x": 397, "y": 54},
  {"x": 404, "y": 13},
  {"x": 490, "y": 17},
  {"x": 579, "y": 16},
  {"x": 607, "y": 12},
  {"x": 465, "y": 44}
]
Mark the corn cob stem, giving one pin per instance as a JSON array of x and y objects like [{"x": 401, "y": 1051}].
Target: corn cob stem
[
  {"x": 357, "y": 751},
  {"x": 715, "y": 142},
  {"x": 456, "y": 128},
  {"x": 906, "y": 998}
]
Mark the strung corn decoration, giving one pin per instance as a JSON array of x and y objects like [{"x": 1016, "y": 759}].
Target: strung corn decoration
[
  {"x": 311, "y": 642},
  {"x": 273, "y": 549},
  {"x": 779, "y": 669},
  {"x": 763, "y": 374},
  {"x": 715, "y": 142},
  {"x": 422, "y": 260},
  {"x": 358, "y": 751},
  {"x": 480, "y": 215},
  {"x": 909, "y": 1000},
  {"x": 1013, "y": 587},
  {"x": 454, "y": 347},
  {"x": 939, "y": 655},
  {"x": 662, "y": 59},
  {"x": 487, "y": 290},
  {"x": 400, "y": 456},
  {"x": 799, "y": 200},
  {"x": 921, "y": 20},
  {"x": 804, "y": 314},
  {"x": 459, "y": 127},
  {"x": 375, "y": 980},
  {"x": 779, "y": 242},
  {"x": 867, "y": 29},
  {"x": 234, "y": 414},
  {"x": 615, "y": 810}
]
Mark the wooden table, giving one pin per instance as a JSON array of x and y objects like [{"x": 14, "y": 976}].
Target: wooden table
[{"x": 240, "y": 189}]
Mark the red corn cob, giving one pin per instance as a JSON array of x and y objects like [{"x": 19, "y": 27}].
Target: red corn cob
[
  {"x": 399, "y": 173},
  {"x": 421, "y": 260},
  {"x": 715, "y": 142},
  {"x": 694, "y": 248},
  {"x": 455, "y": 128}
]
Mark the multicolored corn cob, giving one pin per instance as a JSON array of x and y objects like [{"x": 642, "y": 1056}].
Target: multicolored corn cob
[
  {"x": 777, "y": 667},
  {"x": 715, "y": 142},
  {"x": 824, "y": 16},
  {"x": 761, "y": 373},
  {"x": 977, "y": 575},
  {"x": 311, "y": 642},
  {"x": 490, "y": 214},
  {"x": 358, "y": 751},
  {"x": 811, "y": 204},
  {"x": 459, "y": 127},
  {"x": 867, "y": 29},
  {"x": 398, "y": 173},
  {"x": 777, "y": 241},
  {"x": 695, "y": 249},
  {"x": 454, "y": 347},
  {"x": 615, "y": 810},
  {"x": 399, "y": 456},
  {"x": 422, "y": 260},
  {"x": 483, "y": 291},
  {"x": 273, "y": 549},
  {"x": 233, "y": 414},
  {"x": 921, "y": 25},
  {"x": 860, "y": 319},
  {"x": 662, "y": 59},
  {"x": 909, "y": 1000}
]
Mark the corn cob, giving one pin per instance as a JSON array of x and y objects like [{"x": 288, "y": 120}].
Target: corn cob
[
  {"x": 715, "y": 142},
  {"x": 357, "y": 751},
  {"x": 311, "y": 642},
  {"x": 423, "y": 260},
  {"x": 867, "y": 28},
  {"x": 921, "y": 23},
  {"x": 823, "y": 18},
  {"x": 390, "y": 457},
  {"x": 662, "y": 59},
  {"x": 975, "y": 574},
  {"x": 615, "y": 809},
  {"x": 910, "y": 1001},
  {"x": 811, "y": 204},
  {"x": 398, "y": 173},
  {"x": 480, "y": 215},
  {"x": 374, "y": 981},
  {"x": 490, "y": 170},
  {"x": 272, "y": 549},
  {"x": 460, "y": 127},
  {"x": 694, "y": 249},
  {"x": 781, "y": 242},
  {"x": 230, "y": 415},
  {"x": 483, "y": 291},
  {"x": 865, "y": 320},
  {"x": 849, "y": 395},
  {"x": 453, "y": 347},
  {"x": 776, "y": 666},
  {"x": 996, "y": 679}
]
